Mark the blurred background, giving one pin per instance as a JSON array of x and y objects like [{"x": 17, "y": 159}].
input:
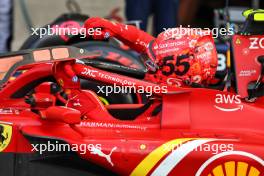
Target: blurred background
[{"x": 16, "y": 16}]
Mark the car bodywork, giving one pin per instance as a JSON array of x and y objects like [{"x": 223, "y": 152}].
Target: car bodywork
[{"x": 185, "y": 131}]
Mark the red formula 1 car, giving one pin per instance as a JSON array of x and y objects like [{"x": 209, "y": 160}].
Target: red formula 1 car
[{"x": 51, "y": 125}]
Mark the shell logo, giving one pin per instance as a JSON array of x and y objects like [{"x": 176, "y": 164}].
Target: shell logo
[{"x": 232, "y": 168}]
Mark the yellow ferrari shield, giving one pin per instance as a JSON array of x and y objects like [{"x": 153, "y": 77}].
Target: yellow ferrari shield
[{"x": 5, "y": 136}]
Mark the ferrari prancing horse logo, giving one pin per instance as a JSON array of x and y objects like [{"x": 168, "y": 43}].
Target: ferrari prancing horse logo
[{"x": 5, "y": 136}]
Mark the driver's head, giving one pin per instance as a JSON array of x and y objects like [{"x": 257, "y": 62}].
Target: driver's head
[{"x": 188, "y": 56}]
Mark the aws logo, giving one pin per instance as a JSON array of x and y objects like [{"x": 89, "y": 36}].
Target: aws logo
[
  {"x": 5, "y": 136},
  {"x": 228, "y": 103}
]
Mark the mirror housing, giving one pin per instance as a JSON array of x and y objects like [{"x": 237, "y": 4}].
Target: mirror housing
[{"x": 63, "y": 114}]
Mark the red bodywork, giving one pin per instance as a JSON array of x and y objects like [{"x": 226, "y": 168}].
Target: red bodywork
[
  {"x": 247, "y": 67},
  {"x": 197, "y": 131}
]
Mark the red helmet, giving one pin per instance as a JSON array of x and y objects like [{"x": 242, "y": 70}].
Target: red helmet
[{"x": 184, "y": 57}]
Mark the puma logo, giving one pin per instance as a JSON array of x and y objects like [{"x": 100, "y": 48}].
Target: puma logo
[
  {"x": 2, "y": 137},
  {"x": 99, "y": 152}
]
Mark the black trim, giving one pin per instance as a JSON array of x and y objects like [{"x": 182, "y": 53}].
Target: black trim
[
  {"x": 23, "y": 91},
  {"x": 50, "y": 163},
  {"x": 116, "y": 68},
  {"x": 129, "y": 113}
]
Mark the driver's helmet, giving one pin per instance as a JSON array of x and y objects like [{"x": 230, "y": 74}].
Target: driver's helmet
[{"x": 184, "y": 56}]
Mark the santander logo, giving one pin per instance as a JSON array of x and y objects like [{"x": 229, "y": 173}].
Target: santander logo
[{"x": 228, "y": 103}]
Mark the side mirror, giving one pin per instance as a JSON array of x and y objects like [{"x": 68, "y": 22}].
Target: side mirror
[
  {"x": 63, "y": 114},
  {"x": 255, "y": 88},
  {"x": 261, "y": 61}
]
